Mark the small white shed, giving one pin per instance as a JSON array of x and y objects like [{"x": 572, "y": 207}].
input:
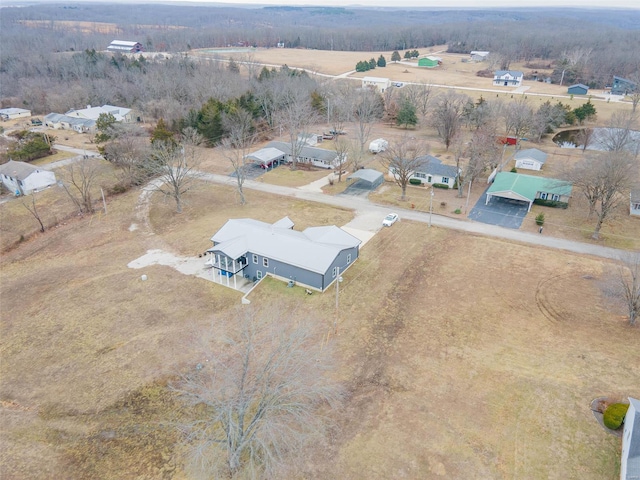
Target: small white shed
[
  {"x": 378, "y": 145},
  {"x": 530, "y": 159}
]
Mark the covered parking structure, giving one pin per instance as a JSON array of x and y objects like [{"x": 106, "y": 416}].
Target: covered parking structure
[
  {"x": 527, "y": 188},
  {"x": 267, "y": 157},
  {"x": 366, "y": 178}
]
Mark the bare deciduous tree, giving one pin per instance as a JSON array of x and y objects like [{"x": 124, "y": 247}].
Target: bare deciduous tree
[
  {"x": 584, "y": 137},
  {"x": 518, "y": 118},
  {"x": 603, "y": 178},
  {"x": 368, "y": 107},
  {"x": 129, "y": 151},
  {"x": 620, "y": 133},
  {"x": 33, "y": 209},
  {"x": 176, "y": 165},
  {"x": 81, "y": 176},
  {"x": 296, "y": 115},
  {"x": 623, "y": 285},
  {"x": 446, "y": 117},
  {"x": 341, "y": 146},
  {"x": 235, "y": 147},
  {"x": 261, "y": 389},
  {"x": 402, "y": 158}
]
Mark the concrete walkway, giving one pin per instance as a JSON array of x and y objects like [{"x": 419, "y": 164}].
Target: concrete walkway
[{"x": 364, "y": 207}]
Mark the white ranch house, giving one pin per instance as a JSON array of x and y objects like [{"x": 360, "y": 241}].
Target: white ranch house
[
  {"x": 376, "y": 82},
  {"x": 23, "y": 179},
  {"x": 530, "y": 159},
  {"x": 508, "y": 78}
]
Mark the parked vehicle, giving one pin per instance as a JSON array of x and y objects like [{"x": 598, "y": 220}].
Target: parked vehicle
[
  {"x": 378, "y": 146},
  {"x": 390, "y": 220},
  {"x": 337, "y": 132}
]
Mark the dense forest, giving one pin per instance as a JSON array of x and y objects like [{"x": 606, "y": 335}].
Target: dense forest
[{"x": 49, "y": 64}]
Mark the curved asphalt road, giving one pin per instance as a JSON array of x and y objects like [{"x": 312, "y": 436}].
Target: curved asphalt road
[{"x": 365, "y": 206}]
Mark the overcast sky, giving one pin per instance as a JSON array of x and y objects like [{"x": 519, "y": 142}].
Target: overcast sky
[{"x": 443, "y": 3}]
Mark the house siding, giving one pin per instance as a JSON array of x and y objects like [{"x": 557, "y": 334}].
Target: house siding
[
  {"x": 528, "y": 164},
  {"x": 282, "y": 270},
  {"x": 341, "y": 263}
]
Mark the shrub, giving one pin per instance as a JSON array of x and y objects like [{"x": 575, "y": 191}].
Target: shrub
[
  {"x": 514, "y": 170},
  {"x": 415, "y": 181},
  {"x": 441, "y": 185},
  {"x": 550, "y": 203},
  {"x": 458, "y": 211},
  {"x": 614, "y": 415},
  {"x": 540, "y": 219}
]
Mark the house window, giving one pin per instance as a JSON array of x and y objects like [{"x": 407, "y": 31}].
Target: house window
[
  {"x": 544, "y": 196},
  {"x": 255, "y": 258},
  {"x": 335, "y": 272},
  {"x": 420, "y": 175},
  {"x": 636, "y": 206},
  {"x": 555, "y": 198},
  {"x": 348, "y": 259},
  {"x": 445, "y": 179},
  {"x": 259, "y": 274},
  {"x": 265, "y": 262},
  {"x": 429, "y": 179}
]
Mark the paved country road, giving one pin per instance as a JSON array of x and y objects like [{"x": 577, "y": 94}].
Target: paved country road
[{"x": 365, "y": 206}]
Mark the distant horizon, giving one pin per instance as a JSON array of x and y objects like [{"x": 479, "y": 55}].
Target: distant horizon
[{"x": 421, "y": 4}]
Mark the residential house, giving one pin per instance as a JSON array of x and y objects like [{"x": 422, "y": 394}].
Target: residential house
[
  {"x": 530, "y": 159},
  {"x": 478, "y": 56},
  {"x": 318, "y": 157},
  {"x": 366, "y": 178},
  {"x": 508, "y": 78},
  {"x": 381, "y": 84},
  {"x": 121, "y": 114},
  {"x": 59, "y": 121},
  {"x": 124, "y": 46},
  {"x": 430, "y": 62},
  {"x": 431, "y": 170},
  {"x": 630, "y": 459},
  {"x": 634, "y": 202},
  {"x": 527, "y": 188},
  {"x": 251, "y": 249},
  {"x": 622, "y": 86},
  {"x": 13, "y": 113},
  {"x": 578, "y": 89},
  {"x": 23, "y": 178}
]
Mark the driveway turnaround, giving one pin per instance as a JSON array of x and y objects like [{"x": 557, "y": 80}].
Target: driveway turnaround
[{"x": 500, "y": 211}]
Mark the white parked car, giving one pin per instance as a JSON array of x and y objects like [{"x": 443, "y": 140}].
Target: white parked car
[{"x": 390, "y": 220}]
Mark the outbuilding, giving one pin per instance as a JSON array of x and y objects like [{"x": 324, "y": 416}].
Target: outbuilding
[
  {"x": 430, "y": 62},
  {"x": 578, "y": 89},
  {"x": 125, "y": 46},
  {"x": 530, "y": 159},
  {"x": 13, "y": 113},
  {"x": 267, "y": 157},
  {"x": 634, "y": 203},
  {"x": 381, "y": 84},
  {"x": 366, "y": 178}
]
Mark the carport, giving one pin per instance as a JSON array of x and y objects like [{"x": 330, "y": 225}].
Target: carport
[
  {"x": 267, "y": 157},
  {"x": 526, "y": 188},
  {"x": 366, "y": 178}
]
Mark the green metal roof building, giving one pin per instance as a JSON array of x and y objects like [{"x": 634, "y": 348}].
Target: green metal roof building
[
  {"x": 429, "y": 62},
  {"x": 527, "y": 188}
]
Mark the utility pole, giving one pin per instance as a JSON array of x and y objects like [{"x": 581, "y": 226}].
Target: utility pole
[{"x": 338, "y": 280}]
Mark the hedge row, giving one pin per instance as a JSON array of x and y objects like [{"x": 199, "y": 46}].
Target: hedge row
[{"x": 550, "y": 203}]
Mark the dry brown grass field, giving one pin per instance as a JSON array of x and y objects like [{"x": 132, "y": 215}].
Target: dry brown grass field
[{"x": 462, "y": 356}]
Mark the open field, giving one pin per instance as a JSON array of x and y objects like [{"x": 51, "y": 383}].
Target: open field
[{"x": 463, "y": 356}]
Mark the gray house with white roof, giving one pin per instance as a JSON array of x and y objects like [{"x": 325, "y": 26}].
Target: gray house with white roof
[
  {"x": 431, "y": 170},
  {"x": 253, "y": 249},
  {"x": 318, "y": 157},
  {"x": 630, "y": 460},
  {"x": 22, "y": 178},
  {"x": 530, "y": 159}
]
